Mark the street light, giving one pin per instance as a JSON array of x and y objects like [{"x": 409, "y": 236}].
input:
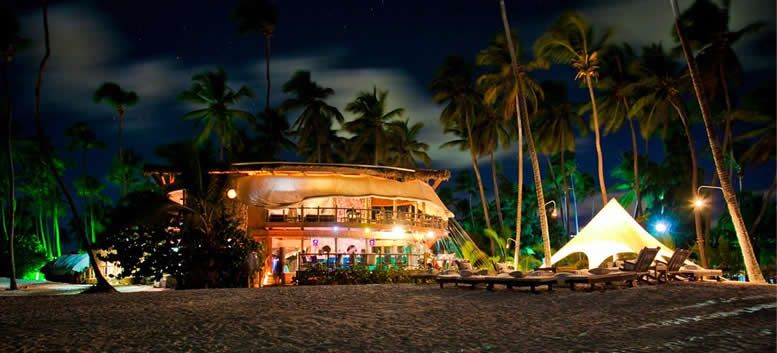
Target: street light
[
  {"x": 699, "y": 202},
  {"x": 507, "y": 244},
  {"x": 554, "y": 213}
]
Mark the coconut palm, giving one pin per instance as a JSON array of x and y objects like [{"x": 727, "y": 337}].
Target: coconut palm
[
  {"x": 371, "y": 120},
  {"x": 119, "y": 99},
  {"x": 492, "y": 133},
  {"x": 659, "y": 85},
  {"x": 210, "y": 91},
  {"x": 313, "y": 126},
  {"x": 571, "y": 41},
  {"x": 9, "y": 43},
  {"x": 453, "y": 87},
  {"x": 707, "y": 28},
  {"x": 523, "y": 118},
  {"x": 405, "y": 149},
  {"x": 554, "y": 124},
  {"x": 102, "y": 283},
  {"x": 616, "y": 100},
  {"x": 259, "y": 16},
  {"x": 273, "y": 129}
]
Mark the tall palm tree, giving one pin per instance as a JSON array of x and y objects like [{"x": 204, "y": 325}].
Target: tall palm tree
[
  {"x": 9, "y": 43},
  {"x": 751, "y": 264},
  {"x": 707, "y": 28},
  {"x": 273, "y": 129},
  {"x": 492, "y": 133},
  {"x": 119, "y": 99},
  {"x": 210, "y": 91},
  {"x": 313, "y": 126},
  {"x": 523, "y": 118},
  {"x": 659, "y": 85},
  {"x": 102, "y": 283},
  {"x": 571, "y": 41},
  {"x": 616, "y": 100},
  {"x": 405, "y": 149},
  {"x": 555, "y": 125},
  {"x": 259, "y": 16},
  {"x": 453, "y": 87},
  {"x": 371, "y": 120}
]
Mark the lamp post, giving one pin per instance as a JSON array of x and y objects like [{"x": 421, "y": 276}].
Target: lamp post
[
  {"x": 554, "y": 213},
  {"x": 699, "y": 202}
]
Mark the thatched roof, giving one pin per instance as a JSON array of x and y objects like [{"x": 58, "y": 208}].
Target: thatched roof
[{"x": 393, "y": 173}]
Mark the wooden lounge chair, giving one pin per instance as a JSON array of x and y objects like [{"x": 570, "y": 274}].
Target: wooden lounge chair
[
  {"x": 695, "y": 273},
  {"x": 518, "y": 279},
  {"x": 466, "y": 275},
  {"x": 642, "y": 264},
  {"x": 666, "y": 271},
  {"x": 604, "y": 277}
]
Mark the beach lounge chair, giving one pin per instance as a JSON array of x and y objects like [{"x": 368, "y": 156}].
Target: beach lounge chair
[
  {"x": 695, "y": 273},
  {"x": 465, "y": 275},
  {"x": 519, "y": 279},
  {"x": 669, "y": 270},
  {"x": 599, "y": 275},
  {"x": 642, "y": 264}
]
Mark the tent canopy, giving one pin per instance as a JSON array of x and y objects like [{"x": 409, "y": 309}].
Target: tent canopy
[
  {"x": 280, "y": 191},
  {"x": 612, "y": 231}
]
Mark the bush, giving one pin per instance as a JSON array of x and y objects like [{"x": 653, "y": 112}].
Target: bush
[{"x": 322, "y": 274}]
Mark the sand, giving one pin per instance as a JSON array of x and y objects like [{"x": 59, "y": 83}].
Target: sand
[{"x": 706, "y": 317}]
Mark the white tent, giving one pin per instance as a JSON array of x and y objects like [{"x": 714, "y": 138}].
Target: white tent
[{"x": 611, "y": 231}]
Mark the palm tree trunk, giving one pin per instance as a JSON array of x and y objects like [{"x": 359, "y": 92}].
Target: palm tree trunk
[
  {"x": 267, "y": 47},
  {"x": 535, "y": 164},
  {"x": 751, "y": 264},
  {"x": 518, "y": 113},
  {"x": 565, "y": 185},
  {"x": 496, "y": 193},
  {"x": 599, "y": 161},
  {"x": 11, "y": 183},
  {"x": 694, "y": 181},
  {"x": 483, "y": 200},
  {"x": 102, "y": 283},
  {"x": 635, "y": 153}
]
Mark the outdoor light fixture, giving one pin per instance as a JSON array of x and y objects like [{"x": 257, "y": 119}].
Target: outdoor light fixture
[
  {"x": 430, "y": 234},
  {"x": 698, "y": 203},
  {"x": 398, "y": 230},
  {"x": 554, "y": 213},
  {"x": 335, "y": 229},
  {"x": 661, "y": 227},
  {"x": 507, "y": 243},
  {"x": 231, "y": 194}
]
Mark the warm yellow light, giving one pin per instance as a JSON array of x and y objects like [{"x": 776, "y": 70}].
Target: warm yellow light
[
  {"x": 398, "y": 230},
  {"x": 554, "y": 214},
  {"x": 698, "y": 203},
  {"x": 231, "y": 193},
  {"x": 430, "y": 234}
]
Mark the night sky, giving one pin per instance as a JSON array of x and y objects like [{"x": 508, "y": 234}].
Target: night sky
[{"x": 155, "y": 47}]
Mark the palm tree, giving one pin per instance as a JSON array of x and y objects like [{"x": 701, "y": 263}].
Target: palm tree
[
  {"x": 210, "y": 90},
  {"x": 518, "y": 78},
  {"x": 659, "y": 84},
  {"x": 313, "y": 126},
  {"x": 259, "y": 16},
  {"x": 555, "y": 123},
  {"x": 371, "y": 120},
  {"x": 491, "y": 134},
  {"x": 9, "y": 42},
  {"x": 405, "y": 149},
  {"x": 273, "y": 129},
  {"x": 119, "y": 99},
  {"x": 616, "y": 102},
  {"x": 453, "y": 87},
  {"x": 102, "y": 283},
  {"x": 571, "y": 41},
  {"x": 706, "y": 26}
]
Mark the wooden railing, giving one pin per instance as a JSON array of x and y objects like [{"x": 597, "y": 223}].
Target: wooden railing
[{"x": 354, "y": 216}]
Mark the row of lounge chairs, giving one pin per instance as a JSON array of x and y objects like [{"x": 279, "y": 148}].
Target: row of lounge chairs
[{"x": 639, "y": 270}]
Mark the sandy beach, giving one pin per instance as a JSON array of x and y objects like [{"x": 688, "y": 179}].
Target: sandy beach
[{"x": 391, "y": 318}]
